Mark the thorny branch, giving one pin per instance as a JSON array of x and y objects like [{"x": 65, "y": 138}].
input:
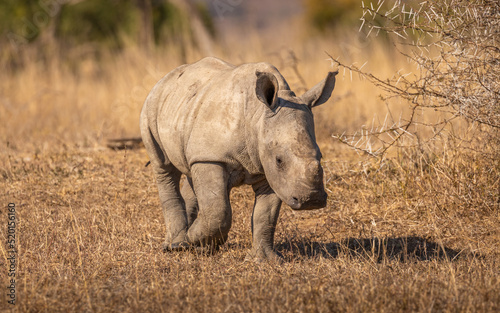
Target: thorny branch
[{"x": 456, "y": 47}]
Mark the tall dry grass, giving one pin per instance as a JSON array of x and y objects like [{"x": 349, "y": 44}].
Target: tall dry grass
[
  {"x": 416, "y": 232},
  {"x": 74, "y": 97}
]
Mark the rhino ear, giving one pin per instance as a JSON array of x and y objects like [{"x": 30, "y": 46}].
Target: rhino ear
[
  {"x": 266, "y": 89},
  {"x": 320, "y": 93}
]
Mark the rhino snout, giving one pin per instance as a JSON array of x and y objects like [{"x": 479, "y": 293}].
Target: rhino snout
[{"x": 315, "y": 200}]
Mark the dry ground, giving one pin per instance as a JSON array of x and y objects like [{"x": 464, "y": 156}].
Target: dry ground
[
  {"x": 418, "y": 232},
  {"x": 90, "y": 229}
]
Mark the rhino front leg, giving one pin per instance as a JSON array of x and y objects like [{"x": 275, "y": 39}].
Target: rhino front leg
[
  {"x": 174, "y": 212},
  {"x": 190, "y": 200},
  {"x": 264, "y": 218},
  {"x": 210, "y": 182}
]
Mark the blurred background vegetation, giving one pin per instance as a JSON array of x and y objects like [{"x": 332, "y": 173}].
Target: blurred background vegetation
[
  {"x": 141, "y": 40},
  {"x": 325, "y": 14},
  {"x": 59, "y": 41},
  {"x": 89, "y": 37},
  {"x": 99, "y": 24},
  {"x": 138, "y": 41},
  {"x": 114, "y": 24},
  {"x": 111, "y": 22}
]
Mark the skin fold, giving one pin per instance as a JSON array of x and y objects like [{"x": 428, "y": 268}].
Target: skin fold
[{"x": 217, "y": 126}]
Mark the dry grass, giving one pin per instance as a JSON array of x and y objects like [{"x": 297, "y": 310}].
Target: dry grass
[{"x": 410, "y": 234}]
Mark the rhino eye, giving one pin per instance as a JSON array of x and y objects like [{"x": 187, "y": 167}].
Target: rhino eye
[{"x": 279, "y": 162}]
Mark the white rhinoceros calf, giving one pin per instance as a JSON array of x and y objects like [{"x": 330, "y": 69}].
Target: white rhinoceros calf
[{"x": 223, "y": 126}]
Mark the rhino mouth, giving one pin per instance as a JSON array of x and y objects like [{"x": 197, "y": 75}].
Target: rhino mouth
[{"x": 315, "y": 200}]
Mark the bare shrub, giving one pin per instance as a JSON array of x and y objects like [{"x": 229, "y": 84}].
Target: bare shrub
[{"x": 455, "y": 47}]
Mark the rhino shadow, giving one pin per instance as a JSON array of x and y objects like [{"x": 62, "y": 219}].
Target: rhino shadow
[{"x": 398, "y": 248}]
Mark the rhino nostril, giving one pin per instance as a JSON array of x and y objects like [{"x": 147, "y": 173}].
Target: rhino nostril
[{"x": 294, "y": 203}]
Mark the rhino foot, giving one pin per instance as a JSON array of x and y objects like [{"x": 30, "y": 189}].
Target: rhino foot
[
  {"x": 178, "y": 246},
  {"x": 185, "y": 246}
]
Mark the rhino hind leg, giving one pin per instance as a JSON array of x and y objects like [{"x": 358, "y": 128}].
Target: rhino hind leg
[
  {"x": 190, "y": 200},
  {"x": 213, "y": 221},
  {"x": 173, "y": 206}
]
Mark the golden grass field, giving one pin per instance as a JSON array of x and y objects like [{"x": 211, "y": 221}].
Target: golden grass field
[{"x": 417, "y": 232}]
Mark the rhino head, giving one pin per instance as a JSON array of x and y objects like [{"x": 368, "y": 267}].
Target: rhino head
[{"x": 287, "y": 145}]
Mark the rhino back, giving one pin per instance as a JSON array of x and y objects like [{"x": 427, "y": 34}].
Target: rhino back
[{"x": 200, "y": 114}]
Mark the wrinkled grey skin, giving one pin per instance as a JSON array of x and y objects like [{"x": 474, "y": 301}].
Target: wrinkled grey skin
[{"x": 223, "y": 126}]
